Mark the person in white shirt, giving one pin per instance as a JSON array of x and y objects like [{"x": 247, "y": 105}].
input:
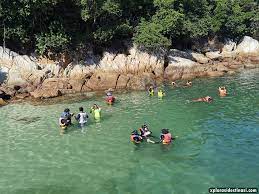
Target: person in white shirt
[{"x": 82, "y": 117}]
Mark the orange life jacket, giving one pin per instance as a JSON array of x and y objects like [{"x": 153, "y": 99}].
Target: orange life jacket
[{"x": 167, "y": 138}]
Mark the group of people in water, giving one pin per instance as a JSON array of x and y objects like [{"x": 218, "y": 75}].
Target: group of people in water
[
  {"x": 144, "y": 134},
  {"x": 137, "y": 136},
  {"x": 82, "y": 117}
]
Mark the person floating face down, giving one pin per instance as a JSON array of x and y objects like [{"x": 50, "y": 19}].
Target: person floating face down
[
  {"x": 96, "y": 110},
  {"x": 222, "y": 91},
  {"x": 151, "y": 91},
  {"x": 208, "y": 99},
  {"x": 82, "y": 117},
  {"x": 166, "y": 137},
  {"x": 135, "y": 137}
]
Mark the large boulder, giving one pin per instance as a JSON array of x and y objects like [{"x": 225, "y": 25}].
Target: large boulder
[
  {"x": 200, "y": 58},
  {"x": 248, "y": 47},
  {"x": 45, "y": 93},
  {"x": 102, "y": 80},
  {"x": 215, "y": 55}
]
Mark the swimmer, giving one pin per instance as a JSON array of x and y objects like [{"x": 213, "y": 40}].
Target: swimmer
[
  {"x": 82, "y": 117},
  {"x": 160, "y": 93},
  {"x": 204, "y": 99},
  {"x": 151, "y": 91},
  {"x": 135, "y": 137},
  {"x": 109, "y": 92},
  {"x": 174, "y": 84},
  {"x": 166, "y": 137},
  {"x": 222, "y": 91},
  {"x": 188, "y": 83}
]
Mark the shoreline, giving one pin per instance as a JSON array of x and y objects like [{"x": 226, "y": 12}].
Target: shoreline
[
  {"x": 27, "y": 77},
  {"x": 77, "y": 96}
]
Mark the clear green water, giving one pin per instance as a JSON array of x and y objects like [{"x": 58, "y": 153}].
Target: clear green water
[{"x": 217, "y": 145}]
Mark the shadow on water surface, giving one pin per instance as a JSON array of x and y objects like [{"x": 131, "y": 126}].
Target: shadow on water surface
[{"x": 27, "y": 120}]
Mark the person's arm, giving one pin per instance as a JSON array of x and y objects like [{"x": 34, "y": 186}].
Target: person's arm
[{"x": 77, "y": 117}]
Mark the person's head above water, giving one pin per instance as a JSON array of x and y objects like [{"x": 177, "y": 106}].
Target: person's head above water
[
  {"x": 66, "y": 110},
  {"x": 81, "y": 109},
  {"x": 209, "y": 98},
  {"x": 165, "y": 131},
  {"x": 134, "y": 132}
]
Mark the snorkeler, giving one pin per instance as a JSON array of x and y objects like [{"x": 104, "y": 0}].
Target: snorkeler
[
  {"x": 203, "y": 99},
  {"x": 82, "y": 117},
  {"x": 135, "y": 137},
  {"x": 151, "y": 91},
  {"x": 166, "y": 137},
  {"x": 222, "y": 91},
  {"x": 96, "y": 110}
]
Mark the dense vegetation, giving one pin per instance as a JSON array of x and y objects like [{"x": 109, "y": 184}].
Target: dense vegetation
[{"x": 60, "y": 25}]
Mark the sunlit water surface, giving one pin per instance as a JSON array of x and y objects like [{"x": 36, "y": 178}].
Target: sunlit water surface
[{"x": 217, "y": 144}]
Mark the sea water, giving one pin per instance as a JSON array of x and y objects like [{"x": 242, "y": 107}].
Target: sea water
[{"x": 217, "y": 144}]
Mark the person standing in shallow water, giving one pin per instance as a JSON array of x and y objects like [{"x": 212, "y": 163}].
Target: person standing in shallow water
[
  {"x": 222, "y": 91},
  {"x": 96, "y": 111},
  {"x": 82, "y": 117}
]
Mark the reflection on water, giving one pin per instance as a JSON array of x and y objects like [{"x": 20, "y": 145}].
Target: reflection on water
[{"x": 216, "y": 145}]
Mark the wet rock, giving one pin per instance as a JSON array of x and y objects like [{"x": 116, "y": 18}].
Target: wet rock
[
  {"x": 2, "y": 102},
  {"x": 249, "y": 66},
  {"x": 22, "y": 96},
  {"x": 46, "y": 93},
  {"x": 215, "y": 73}
]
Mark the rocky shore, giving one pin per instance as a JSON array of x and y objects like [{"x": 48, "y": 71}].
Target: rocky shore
[{"x": 23, "y": 76}]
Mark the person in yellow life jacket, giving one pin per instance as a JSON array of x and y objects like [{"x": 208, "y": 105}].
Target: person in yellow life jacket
[
  {"x": 96, "y": 110},
  {"x": 160, "y": 93},
  {"x": 151, "y": 91},
  {"x": 166, "y": 137},
  {"x": 135, "y": 137},
  {"x": 63, "y": 126}
]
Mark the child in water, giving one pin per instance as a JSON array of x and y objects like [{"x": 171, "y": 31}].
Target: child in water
[
  {"x": 145, "y": 133},
  {"x": 63, "y": 126}
]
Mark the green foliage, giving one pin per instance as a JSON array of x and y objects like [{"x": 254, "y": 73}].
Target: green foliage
[
  {"x": 57, "y": 25},
  {"x": 150, "y": 35}
]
